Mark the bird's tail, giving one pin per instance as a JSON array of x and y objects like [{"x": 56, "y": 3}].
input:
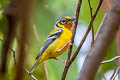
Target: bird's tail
[{"x": 34, "y": 67}]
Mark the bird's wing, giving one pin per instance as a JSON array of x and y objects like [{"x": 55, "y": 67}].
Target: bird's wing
[{"x": 50, "y": 39}]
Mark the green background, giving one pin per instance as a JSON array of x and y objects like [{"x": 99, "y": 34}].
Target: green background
[{"x": 44, "y": 15}]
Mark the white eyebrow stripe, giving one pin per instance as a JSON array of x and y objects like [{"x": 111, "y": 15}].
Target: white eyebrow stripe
[
  {"x": 58, "y": 20},
  {"x": 56, "y": 23}
]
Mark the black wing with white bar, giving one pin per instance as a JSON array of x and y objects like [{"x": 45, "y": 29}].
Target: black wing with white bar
[{"x": 50, "y": 39}]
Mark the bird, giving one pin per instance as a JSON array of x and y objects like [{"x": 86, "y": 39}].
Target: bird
[{"x": 57, "y": 41}]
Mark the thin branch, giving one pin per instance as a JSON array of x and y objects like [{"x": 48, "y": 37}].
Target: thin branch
[
  {"x": 11, "y": 51},
  {"x": 77, "y": 11},
  {"x": 15, "y": 60},
  {"x": 14, "y": 57},
  {"x": 46, "y": 71},
  {"x": 116, "y": 71},
  {"x": 8, "y": 36},
  {"x": 92, "y": 24},
  {"x": 111, "y": 60},
  {"x": 90, "y": 8},
  {"x": 87, "y": 32},
  {"x": 102, "y": 73},
  {"x": 31, "y": 74},
  {"x": 38, "y": 40},
  {"x": 36, "y": 34},
  {"x": 98, "y": 51},
  {"x": 82, "y": 41}
]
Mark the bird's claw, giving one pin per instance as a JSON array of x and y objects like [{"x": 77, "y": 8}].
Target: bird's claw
[{"x": 67, "y": 64}]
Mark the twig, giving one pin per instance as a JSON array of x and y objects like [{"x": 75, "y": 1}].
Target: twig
[
  {"x": 12, "y": 52},
  {"x": 36, "y": 35},
  {"x": 116, "y": 71},
  {"x": 8, "y": 35},
  {"x": 77, "y": 11},
  {"x": 15, "y": 60},
  {"x": 81, "y": 43},
  {"x": 92, "y": 24},
  {"x": 102, "y": 73},
  {"x": 30, "y": 74},
  {"x": 88, "y": 30},
  {"x": 38, "y": 40},
  {"x": 46, "y": 71},
  {"x": 111, "y": 60},
  {"x": 14, "y": 56}
]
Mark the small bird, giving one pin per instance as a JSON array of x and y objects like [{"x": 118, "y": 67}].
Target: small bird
[{"x": 57, "y": 42}]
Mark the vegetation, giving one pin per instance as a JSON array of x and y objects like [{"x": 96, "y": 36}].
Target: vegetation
[{"x": 25, "y": 25}]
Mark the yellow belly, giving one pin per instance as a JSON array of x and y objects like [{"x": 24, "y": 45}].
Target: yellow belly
[{"x": 50, "y": 52}]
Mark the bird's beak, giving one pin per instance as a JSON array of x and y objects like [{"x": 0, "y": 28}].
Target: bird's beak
[{"x": 72, "y": 19}]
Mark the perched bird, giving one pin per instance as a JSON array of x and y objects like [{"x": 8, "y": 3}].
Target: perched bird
[{"x": 57, "y": 42}]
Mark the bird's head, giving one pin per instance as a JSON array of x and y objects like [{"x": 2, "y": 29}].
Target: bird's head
[{"x": 65, "y": 22}]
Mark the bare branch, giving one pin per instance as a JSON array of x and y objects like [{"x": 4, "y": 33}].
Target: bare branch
[
  {"x": 11, "y": 51},
  {"x": 15, "y": 60},
  {"x": 46, "y": 71},
  {"x": 77, "y": 11},
  {"x": 36, "y": 34},
  {"x": 116, "y": 71},
  {"x": 38, "y": 40},
  {"x": 102, "y": 73},
  {"x": 69, "y": 62},
  {"x": 98, "y": 51},
  {"x": 31, "y": 74},
  {"x": 111, "y": 60},
  {"x": 88, "y": 30},
  {"x": 92, "y": 24}
]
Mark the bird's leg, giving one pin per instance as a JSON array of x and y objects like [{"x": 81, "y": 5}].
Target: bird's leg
[
  {"x": 63, "y": 61},
  {"x": 69, "y": 42}
]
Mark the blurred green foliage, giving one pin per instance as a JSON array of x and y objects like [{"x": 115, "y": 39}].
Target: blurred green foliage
[{"x": 45, "y": 14}]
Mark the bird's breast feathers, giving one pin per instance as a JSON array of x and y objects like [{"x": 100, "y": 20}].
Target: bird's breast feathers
[
  {"x": 58, "y": 43},
  {"x": 65, "y": 36}
]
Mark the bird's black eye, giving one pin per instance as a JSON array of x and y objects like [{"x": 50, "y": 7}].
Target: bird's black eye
[{"x": 63, "y": 21}]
